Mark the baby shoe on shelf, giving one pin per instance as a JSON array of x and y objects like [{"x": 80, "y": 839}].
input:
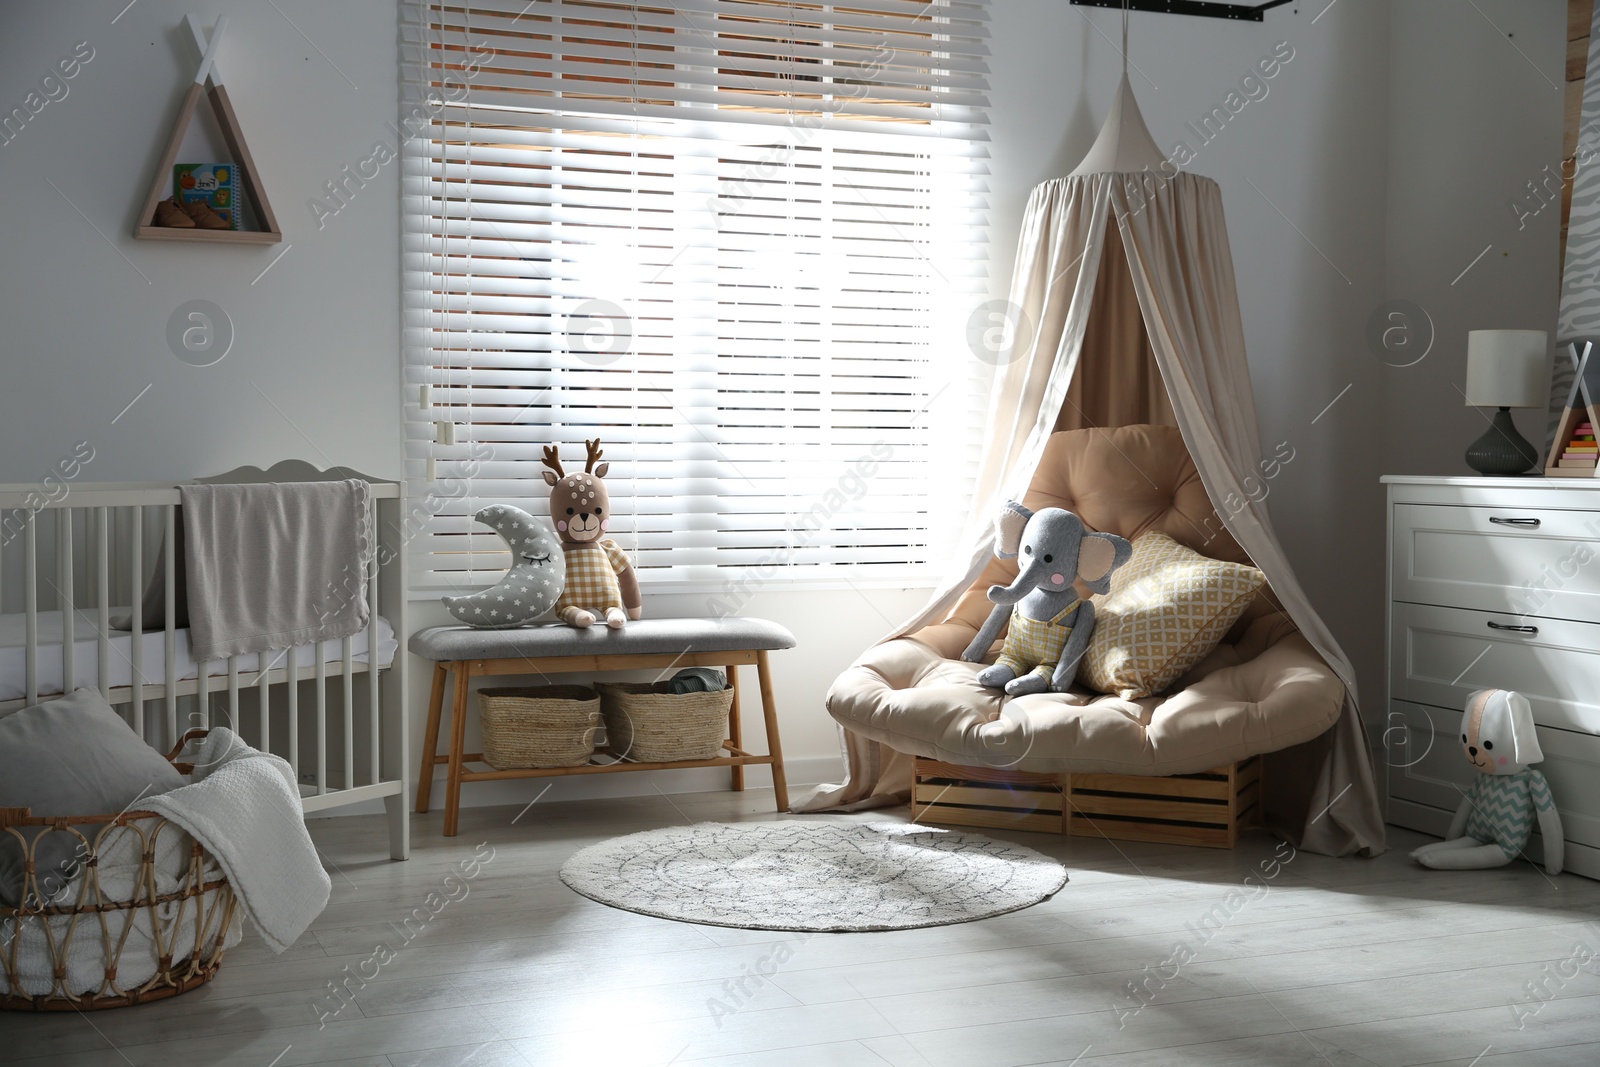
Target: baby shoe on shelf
[
  {"x": 170, "y": 213},
  {"x": 200, "y": 212}
]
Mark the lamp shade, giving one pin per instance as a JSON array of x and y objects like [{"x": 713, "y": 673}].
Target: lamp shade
[{"x": 1506, "y": 369}]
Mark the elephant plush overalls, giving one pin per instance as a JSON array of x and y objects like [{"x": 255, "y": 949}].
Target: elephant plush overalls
[{"x": 1036, "y": 644}]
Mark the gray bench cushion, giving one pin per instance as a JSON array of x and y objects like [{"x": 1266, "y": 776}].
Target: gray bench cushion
[{"x": 642, "y": 638}]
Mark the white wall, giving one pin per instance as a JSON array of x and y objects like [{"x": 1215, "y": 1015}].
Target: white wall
[
  {"x": 1386, "y": 146},
  {"x": 312, "y": 370},
  {"x": 1450, "y": 189},
  {"x": 1474, "y": 117},
  {"x": 1315, "y": 145}
]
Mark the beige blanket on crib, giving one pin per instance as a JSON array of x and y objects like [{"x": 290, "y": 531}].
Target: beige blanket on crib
[{"x": 274, "y": 564}]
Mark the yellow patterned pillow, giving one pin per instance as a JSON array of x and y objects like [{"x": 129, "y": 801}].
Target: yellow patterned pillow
[{"x": 1167, "y": 609}]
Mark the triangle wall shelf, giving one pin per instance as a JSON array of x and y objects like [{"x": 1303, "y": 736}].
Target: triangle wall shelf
[
  {"x": 1575, "y": 433},
  {"x": 209, "y": 80}
]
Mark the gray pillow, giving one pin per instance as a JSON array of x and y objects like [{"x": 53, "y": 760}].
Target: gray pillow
[{"x": 73, "y": 756}]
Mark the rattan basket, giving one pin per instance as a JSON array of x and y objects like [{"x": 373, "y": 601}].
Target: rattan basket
[
  {"x": 538, "y": 726},
  {"x": 646, "y": 722},
  {"x": 89, "y": 926}
]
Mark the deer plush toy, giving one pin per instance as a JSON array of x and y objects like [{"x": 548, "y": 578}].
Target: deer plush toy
[
  {"x": 1495, "y": 820},
  {"x": 600, "y": 580}
]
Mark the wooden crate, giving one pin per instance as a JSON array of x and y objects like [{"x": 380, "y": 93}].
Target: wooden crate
[
  {"x": 986, "y": 796},
  {"x": 1207, "y": 809}
]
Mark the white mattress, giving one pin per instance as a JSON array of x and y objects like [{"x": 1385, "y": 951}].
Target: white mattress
[{"x": 153, "y": 666}]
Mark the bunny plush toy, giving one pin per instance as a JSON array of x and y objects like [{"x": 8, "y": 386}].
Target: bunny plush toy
[{"x": 1495, "y": 820}]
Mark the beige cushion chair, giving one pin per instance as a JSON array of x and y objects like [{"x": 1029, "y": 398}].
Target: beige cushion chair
[{"x": 1263, "y": 689}]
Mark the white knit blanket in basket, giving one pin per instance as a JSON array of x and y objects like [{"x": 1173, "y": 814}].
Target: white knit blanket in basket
[
  {"x": 243, "y": 806},
  {"x": 167, "y": 928}
]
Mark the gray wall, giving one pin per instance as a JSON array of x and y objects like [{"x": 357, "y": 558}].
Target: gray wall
[
  {"x": 313, "y": 370},
  {"x": 1451, "y": 186},
  {"x": 1387, "y": 146}
]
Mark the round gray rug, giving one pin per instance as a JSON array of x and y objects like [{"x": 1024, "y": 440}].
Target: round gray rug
[{"x": 813, "y": 875}]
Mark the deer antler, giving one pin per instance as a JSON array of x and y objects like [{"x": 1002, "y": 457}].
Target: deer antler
[
  {"x": 552, "y": 459},
  {"x": 594, "y": 455}
]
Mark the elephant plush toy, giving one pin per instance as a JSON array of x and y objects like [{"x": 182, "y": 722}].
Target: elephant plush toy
[
  {"x": 1495, "y": 819},
  {"x": 1050, "y": 622}
]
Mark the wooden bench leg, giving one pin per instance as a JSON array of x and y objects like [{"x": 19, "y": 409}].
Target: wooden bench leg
[
  {"x": 735, "y": 730},
  {"x": 769, "y": 711},
  {"x": 458, "y": 738},
  {"x": 430, "y": 741}
]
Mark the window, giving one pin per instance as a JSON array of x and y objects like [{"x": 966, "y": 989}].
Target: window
[{"x": 737, "y": 241}]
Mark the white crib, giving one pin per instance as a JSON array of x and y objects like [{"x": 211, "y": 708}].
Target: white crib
[{"x": 335, "y": 711}]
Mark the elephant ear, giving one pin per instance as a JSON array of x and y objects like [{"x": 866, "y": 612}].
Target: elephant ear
[
  {"x": 1008, "y": 529},
  {"x": 1098, "y": 556}
]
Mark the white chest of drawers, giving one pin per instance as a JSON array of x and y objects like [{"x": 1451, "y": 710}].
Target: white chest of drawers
[{"x": 1494, "y": 583}]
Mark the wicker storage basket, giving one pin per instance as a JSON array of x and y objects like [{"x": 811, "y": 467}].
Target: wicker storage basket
[
  {"x": 646, "y": 722},
  {"x": 538, "y": 726},
  {"x": 126, "y": 938}
]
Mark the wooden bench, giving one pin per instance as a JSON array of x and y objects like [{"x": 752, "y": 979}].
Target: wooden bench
[{"x": 667, "y": 644}]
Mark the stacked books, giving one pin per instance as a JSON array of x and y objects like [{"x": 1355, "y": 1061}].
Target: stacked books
[{"x": 1581, "y": 451}]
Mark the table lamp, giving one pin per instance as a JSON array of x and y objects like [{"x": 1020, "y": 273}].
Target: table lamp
[{"x": 1505, "y": 370}]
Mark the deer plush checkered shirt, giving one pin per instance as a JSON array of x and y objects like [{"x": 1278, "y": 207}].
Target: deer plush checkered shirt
[{"x": 592, "y": 576}]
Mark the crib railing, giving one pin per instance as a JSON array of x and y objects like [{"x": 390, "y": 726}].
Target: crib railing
[{"x": 89, "y": 553}]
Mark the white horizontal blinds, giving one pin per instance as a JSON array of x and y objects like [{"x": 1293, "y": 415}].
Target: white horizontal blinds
[{"x": 737, "y": 241}]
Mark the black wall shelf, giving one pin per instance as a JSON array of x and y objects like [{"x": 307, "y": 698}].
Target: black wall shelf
[{"x": 1237, "y": 12}]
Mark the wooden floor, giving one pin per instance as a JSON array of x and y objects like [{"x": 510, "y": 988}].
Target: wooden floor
[{"x": 1330, "y": 961}]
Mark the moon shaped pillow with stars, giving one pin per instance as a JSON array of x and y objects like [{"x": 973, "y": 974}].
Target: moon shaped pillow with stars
[{"x": 532, "y": 585}]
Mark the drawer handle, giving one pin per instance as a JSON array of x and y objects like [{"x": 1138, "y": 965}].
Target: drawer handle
[
  {"x": 1514, "y": 629},
  {"x": 1529, "y": 523}
]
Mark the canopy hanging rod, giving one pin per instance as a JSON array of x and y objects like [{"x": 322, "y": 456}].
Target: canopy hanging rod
[{"x": 1239, "y": 12}]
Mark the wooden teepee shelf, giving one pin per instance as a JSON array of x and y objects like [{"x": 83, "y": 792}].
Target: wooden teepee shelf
[
  {"x": 1583, "y": 406},
  {"x": 209, "y": 79},
  {"x": 221, "y": 237}
]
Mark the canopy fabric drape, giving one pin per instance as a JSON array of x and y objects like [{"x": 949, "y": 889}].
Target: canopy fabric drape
[
  {"x": 1124, "y": 389},
  {"x": 1174, "y": 237}
]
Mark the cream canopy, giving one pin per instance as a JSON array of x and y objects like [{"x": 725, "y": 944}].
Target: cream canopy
[{"x": 1174, "y": 242}]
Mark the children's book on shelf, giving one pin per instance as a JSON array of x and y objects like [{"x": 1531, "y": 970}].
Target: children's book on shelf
[{"x": 211, "y": 182}]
